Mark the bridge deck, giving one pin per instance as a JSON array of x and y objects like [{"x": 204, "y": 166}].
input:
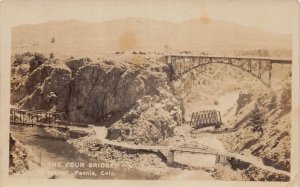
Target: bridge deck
[
  {"x": 272, "y": 59},
  {"x": 39, "y": 124},
  {"x": 258, "y": 67},
  {"x": 39, "y": 118},
  {"x": 197, "y": 150}
]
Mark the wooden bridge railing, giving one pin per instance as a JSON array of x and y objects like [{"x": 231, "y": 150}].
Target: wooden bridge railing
[{"x": 199, "y": 150}]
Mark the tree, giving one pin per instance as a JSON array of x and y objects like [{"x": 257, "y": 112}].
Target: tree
[
  {"x": 37, "y": 60},
  {"x": 52, "y": 40},
  {"x": 286, "y": 97},
  {"x": 166, "y": 46},
  {"x": 51, "y": 55},
  {"x": 273, "y": 103},
  {"x": 256, "y": 119}
]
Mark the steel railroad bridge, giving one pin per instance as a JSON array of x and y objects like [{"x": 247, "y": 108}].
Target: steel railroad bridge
[
  {"x": 258, "y": 67},
  {"x": 206, "y": 118}
]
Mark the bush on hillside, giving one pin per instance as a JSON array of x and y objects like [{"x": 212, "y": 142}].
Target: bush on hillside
[
  {"x": 286, "y": 95},
  {"x": 37, "y": 60},
  {"x": 256, "y": 119}
]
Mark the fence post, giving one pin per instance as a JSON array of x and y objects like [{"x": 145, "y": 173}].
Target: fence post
[
  {"x": 40, "y": 158},
  {"x": 220, "y": 117},
  {"x": 20, "y": 116},
  {"x": 23, "y": 119},
  {"x": 218, "y": 159},
  {"x": 54, "y": 118},
  {"x": 270, "y": 73},
  {"x": 14, "y": 116},
  {"x": 170, "y": 158}
]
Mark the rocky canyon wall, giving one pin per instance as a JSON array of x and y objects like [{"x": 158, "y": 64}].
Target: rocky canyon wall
[{"x": 131, "y": 91}]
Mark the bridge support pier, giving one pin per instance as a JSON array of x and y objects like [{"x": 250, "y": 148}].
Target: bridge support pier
[
  {"x": 217, "y": 159},
  {"x": 68, "y": 135},
  {"x": 221, "y": 159},
  {"x": 170, "y": 157}
]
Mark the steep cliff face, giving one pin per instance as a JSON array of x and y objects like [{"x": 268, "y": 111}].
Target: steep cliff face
[
  {"x": 158, "y": 116},
  {"x": 18, "y": 157},
  {"x": 265, "y": 129},
  {"x": 99, "y": 90},
  {"x": 48, "y": 88},
  {"x": 40, "y": 87},
  {"x": 129, "y": 90}
]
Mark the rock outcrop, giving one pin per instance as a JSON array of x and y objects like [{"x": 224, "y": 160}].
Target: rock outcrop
[
  {"x": 100, "y": 89},
  {"x": 18, "y": 157},
  {"x": 132, "y": 91},
  {"x": 157, "y": 115},
  {"x": 271, "y": 141}
]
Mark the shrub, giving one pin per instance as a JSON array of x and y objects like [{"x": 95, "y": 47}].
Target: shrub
[
  {"x": 51, "y": 55},
  {"x": 38, "y": 59},
  {"x": 18, "y": 59},
  {"x": 286, "y": 96},
  {"x": 273, "y": 103},
  {"x": 52, "y": 40},
  {"x": 256, "y": 119}
]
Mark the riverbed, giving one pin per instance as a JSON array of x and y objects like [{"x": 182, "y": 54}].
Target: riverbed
[{"x": 51, "y": 157}]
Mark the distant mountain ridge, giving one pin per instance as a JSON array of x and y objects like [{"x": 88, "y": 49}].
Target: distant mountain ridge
[{"x": 74, "y": 37}]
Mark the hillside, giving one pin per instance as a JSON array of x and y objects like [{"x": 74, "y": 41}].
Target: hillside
[{"x": 79, "y": 38}]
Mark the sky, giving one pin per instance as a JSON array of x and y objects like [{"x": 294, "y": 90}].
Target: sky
[{"x": 271, "y": 15}]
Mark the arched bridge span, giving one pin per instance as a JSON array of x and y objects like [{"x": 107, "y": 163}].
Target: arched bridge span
[{"x": 258, "y": 67}]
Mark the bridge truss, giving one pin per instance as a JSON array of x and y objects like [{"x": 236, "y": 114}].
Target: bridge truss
[
  {"x": 39, "y": 118},
  {"x": 260, "y": 68},
  {"x": 206, "y": 118}
]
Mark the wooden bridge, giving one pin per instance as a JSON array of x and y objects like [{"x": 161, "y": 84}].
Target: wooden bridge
[
  {"x": 220, "y": 158},
  {"x": 206, "y": 118},
  {"x": 39, "y": 118},
  {"x": 167, "y": 151},
  {"x": 258, "y": 67}
]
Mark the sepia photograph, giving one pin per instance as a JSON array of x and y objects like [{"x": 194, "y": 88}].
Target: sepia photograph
[{"x": 150, "y": 90}]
